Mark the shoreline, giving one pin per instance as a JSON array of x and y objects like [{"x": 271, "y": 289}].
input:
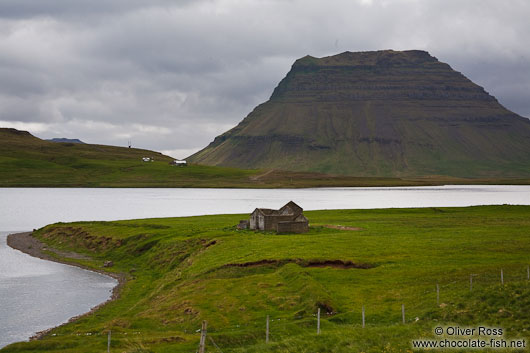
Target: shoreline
[
  {"x": 264, "y": 186},
  {"x": 31, "y": 246}
]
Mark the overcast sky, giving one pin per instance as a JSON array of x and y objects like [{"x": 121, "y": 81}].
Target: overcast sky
[{"x": 172, "y": 75}]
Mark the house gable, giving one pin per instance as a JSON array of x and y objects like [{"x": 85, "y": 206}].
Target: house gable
[{"x": 291, "y": 208}]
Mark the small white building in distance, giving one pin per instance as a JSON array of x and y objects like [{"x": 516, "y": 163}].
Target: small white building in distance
[
  {"x": 147, "y": 159},
  {"x": 178, "y": 163}
]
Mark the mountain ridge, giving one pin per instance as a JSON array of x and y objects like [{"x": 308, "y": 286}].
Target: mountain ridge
[
  {"x": 379, "y": 114},
  {"x": 65, "y": 140}
]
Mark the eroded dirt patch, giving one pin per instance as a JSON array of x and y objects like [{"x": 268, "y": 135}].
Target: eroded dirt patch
[
  {"x": 303, "y": 263},
  {"x": 77, "y": 236},
  {"x": 339, "y": 227},
  {"x": 34, "y": 247},
  {"x": 338, "y": 264}
]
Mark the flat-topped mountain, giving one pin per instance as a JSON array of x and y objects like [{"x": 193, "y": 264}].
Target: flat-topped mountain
[{"x": 380, "y": 113}]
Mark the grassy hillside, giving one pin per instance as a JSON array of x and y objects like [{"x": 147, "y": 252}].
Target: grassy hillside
[
  {"x": 29, "y": 161},
  {"x": 26, "y": 161},
  {"x": 181, "y": 271}
]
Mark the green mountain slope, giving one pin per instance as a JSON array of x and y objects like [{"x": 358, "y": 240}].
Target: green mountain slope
[{"x": 383, "y": 113}]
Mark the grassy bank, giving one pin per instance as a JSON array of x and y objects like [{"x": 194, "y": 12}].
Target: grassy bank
[{"x": 181, "y": 271}]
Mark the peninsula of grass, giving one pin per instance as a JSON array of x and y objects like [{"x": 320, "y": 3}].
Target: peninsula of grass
[
  {"x": 181, "y": 271},
  {"x": 26, "y": 161}
]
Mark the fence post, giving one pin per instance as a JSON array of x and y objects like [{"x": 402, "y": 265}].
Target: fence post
[
  {"x": 403, "y": 312},
  {"x": 437, "y": 294},
  {"x": 267, "y": 331},
  {"x": 502, "y": 277},
  {"x": 363, "y": 316},
  {"x": 318, "y": 321},
  {"x": 108, "y": 343},
  {"x": 202, "y": 343}
]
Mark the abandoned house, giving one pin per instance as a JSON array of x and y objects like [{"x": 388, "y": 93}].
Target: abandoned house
[{"x": 288, "y": 219}]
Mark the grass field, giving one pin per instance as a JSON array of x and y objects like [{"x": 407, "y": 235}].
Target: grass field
[
  {"x": 26, "y": 161},
  {"x": 181, "y": 271}
]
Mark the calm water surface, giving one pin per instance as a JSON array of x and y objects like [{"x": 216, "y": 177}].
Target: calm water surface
[
  {"x": 24, "y": 209},
  {"x": 37, "y": 294},
  {"x": 28, "y": 284}
]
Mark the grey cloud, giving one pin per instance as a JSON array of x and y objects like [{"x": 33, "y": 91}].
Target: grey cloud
[
  {"x": 80, "y": 8},
  {"x": 172, "y": 75}
]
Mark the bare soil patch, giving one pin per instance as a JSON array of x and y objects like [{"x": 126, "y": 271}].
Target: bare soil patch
[
  {"x": 339, "y": 227},
  {"x": 304, "y": 263},
  {"x": 34, "y": 247}
]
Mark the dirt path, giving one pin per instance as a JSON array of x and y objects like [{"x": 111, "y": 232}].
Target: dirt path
[{"x": 258, "y": 177}]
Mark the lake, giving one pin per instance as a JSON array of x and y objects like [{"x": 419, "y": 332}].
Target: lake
[{"x": 27, "y": 283}]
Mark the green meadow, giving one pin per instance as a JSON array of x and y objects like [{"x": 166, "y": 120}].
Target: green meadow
[
  {"x": 26, "y": 161},
  {"x": 181, "y": 271}
]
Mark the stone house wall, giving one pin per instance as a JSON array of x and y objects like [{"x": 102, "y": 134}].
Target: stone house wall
[
  {"x": 271, "y": 222},
  {"x": 292, "y": 227}
]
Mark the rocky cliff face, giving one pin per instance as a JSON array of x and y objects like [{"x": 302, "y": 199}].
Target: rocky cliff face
[{"x": 382, "y": 113}]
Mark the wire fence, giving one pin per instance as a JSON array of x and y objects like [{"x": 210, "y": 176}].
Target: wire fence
[
  {"x": 402, "y": 310},
  {"x": 404, "y": 313}
]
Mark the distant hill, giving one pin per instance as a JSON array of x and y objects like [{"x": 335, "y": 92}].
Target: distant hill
[
  {"x": 26, "y": 160},
  {"x": 381, "y": 113},
  {"x": 62, "y": 139}
]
